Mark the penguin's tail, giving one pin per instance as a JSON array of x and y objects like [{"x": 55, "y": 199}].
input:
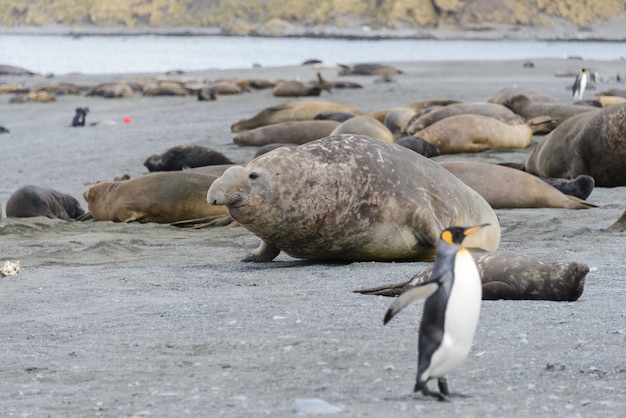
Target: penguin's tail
[{"x": 420, "y": 292}]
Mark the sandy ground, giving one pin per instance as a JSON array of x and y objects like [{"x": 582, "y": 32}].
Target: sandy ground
[{"x": 149, "y": 320}]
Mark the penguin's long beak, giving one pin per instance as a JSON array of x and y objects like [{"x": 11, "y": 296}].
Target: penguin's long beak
[{"x": 475, "y": 228}]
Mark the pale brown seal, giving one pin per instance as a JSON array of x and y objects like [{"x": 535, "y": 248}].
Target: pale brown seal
[
  {"x": 30, "y": 201},
  {"x": 291, "y": 111},
  {"x": 181, "y": 156},
  {"x": 476, "y": 133},
  {"x": 620, "y": 224},
  {"x": 505, "y": 188},
  {"x": 298, "y": 132},
  {"x": 592, "y": 143},
  {"x": 493, "y": 110},
  {"x": 364, "y": 125},
  {"x": 164, "y": 197},
  {"x": 350, "y": 197},
  {"x": 111, "y": 90},
  {"x": 534, "y": 95},
  {"x": 511, "y": 275},
  {"x": 368, "y": 69}
]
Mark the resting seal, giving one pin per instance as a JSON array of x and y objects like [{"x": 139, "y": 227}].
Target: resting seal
[
  {"x": 511, "y": 275},
  {"x": 291, "y": 111},
  {"x": 164, "y": 197},
  {"x": 364, "y": 125},
  {"x": 31, "y": 201},
  {"x": 592, "y": 143},
  {"x": 298, "y": 132},
  {"x": 476, "y": 133},
  {"x": 529, "y": 109},
  {"x": 350, "y": 197},
  {"x": 506, "y": 188},
  {"x": 190, "y": 156},
  {"x": 492, "y": 110}
]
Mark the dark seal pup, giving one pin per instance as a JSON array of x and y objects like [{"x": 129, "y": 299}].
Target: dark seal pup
[
  {"x": 30, "y": 201},
  {"x": 185, "y": 156}
]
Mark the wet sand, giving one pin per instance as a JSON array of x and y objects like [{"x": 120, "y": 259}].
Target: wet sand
[{"x": 113, "y": 319}]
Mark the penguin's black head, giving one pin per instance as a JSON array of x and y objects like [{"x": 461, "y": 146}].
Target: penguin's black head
[{"x": 455, "y": 235}]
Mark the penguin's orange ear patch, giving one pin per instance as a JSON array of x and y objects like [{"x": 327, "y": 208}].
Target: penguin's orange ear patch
[{"x": 447, "y": 237}]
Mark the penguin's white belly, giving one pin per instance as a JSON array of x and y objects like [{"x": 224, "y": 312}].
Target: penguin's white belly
[{"x": 462, "y": 312}]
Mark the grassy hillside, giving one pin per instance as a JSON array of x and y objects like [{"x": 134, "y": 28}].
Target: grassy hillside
[{"x": 273, "y": 16}]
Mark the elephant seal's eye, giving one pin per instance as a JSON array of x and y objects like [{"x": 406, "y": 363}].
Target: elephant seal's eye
[{"x": 253, "y": 176}]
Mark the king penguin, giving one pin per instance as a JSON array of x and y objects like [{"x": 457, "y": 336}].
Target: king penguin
[
  {"x": 453, "y": 294},
  {"x": 578, "y": 89}
]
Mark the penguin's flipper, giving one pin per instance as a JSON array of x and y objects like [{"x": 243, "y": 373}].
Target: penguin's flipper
[{"x": 420, "y": 292}]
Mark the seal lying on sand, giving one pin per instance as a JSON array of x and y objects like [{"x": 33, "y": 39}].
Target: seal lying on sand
[
  {"x": 476, "y": 133},
  {"x": 350, "y": 197},
  {"x": 298, "y": 132},
  {"x": 291, "y": 111},
  {"x": 165, "y": 197},
  {"x": 511, "y": 275},
  {"x": 592, "y": 143},
  {"x": 31, "y": 201},
  {"x": 179, "y": 157},
  {"x": 529, "y": 109},
  {"x": 620, "y": 224},
  {"x": 495, "y": 183},
  {"x": 364, "y": 125}
]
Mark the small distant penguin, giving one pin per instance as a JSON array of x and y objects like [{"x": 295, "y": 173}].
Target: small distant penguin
[
  {"x": 453, "y": 296},
  {"x": 79, "y": 118},
  {"x": 578, "y": 89}
]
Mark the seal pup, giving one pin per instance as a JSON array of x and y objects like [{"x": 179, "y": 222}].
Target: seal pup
[
  {"x": 181, "y": 156},
  {"x": 350, "y": 197},
  {"x": 511, "y": 275},
  {"x": 592, "y": 143},
  {"x": 30, "y": 201},
  {"x": 453, "y": 295},
  {"x": 419, "y": 145}
]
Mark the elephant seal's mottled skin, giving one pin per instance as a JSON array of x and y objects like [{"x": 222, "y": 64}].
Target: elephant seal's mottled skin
[
  {"x": 512, "y": 276},
  {"x": 364, "y": 125},
  {"x": 475, "y": 133},
  {"x": 350, "y": 197},
  {"x": 179, "y": 157},
  {"x": 164, "y": 197},
  {"x": 299, "y": 132},
  {"x": 592, "y": 143},
  {"x": 31, "y": 201},
  {"x": 492, "y": 110},
  {"x": 291, "y": 111},
  {"x": 506, "y": 188}
]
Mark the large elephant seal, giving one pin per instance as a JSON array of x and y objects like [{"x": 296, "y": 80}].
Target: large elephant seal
[
  {"x": 298, "y": 132},
  {"x": 364, "y": 125},
  {"x": 368, "y": 69},
  {"x": 476, "y": 133},
  {"x": 350, "y": 197},
  {"x": 592, "y": 143},
  {"x": 492, "y": 110},
  {"x": 291, "y": 111},
  {"x": 181, "y": 156},
  {"x": 164, "y": 197},
  {"x": 534, "y": 95},
  {"x": 506, "y": 188},
  {"x": 30, "y": 201},
  {"x": 111, "y": 90},
  {"x": 529, "y": 109},
  {"x": 511, "y": 275}
]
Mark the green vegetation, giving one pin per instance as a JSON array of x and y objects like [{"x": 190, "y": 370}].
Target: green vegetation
[{"x": 273, "y": 16}]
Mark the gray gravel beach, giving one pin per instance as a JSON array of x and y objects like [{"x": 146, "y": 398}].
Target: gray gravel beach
[{"x": 109, "y": 319}]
